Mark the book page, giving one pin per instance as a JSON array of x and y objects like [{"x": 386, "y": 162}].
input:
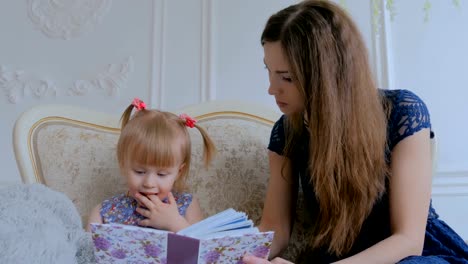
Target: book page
[
  {"x": 225, "y": 220},
  {"x": 234, "y": 232}
]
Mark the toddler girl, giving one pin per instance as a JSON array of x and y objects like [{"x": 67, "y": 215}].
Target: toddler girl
[{"x": 154, "y": 152}]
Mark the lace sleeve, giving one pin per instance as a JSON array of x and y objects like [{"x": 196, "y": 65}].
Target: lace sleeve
[
  {"x": 409, "y": 115},
  {"x": 277, "y": 138}
]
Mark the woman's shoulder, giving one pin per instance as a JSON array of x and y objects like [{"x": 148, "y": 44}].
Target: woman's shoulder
[
  {"x": 401, "y": 97},
  {"x": 277, "y": 136},
  {"x": 278, "y": 127},
  {"x": 409, "y": 114},
  {"x": 279, "y": 123}
]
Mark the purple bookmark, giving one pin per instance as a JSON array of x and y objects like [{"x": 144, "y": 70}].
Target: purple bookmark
[{"x": 182, "y": 249}]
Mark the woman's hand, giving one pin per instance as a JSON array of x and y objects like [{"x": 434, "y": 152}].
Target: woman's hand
[{"x": 249, "y": 259}]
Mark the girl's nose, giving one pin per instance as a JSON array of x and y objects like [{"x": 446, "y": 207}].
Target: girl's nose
[
  {"x": 149, "y": 182},
  {"x": 147, "y": 185}
]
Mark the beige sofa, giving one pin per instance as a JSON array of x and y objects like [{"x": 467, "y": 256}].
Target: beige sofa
[{"x": 72, "y": 150}]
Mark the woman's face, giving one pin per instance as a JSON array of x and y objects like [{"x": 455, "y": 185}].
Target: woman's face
[{"x": 282, "y": 86}]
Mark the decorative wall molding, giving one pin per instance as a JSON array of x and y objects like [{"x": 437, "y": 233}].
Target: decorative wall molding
[
  {"x": 158, "y": 59},
  {"x": 17, "y": 85},
  {"x": 207, "y": 81},
  {"x": 382, "y": 48},
  {"x": 67, "y": 19},
  {"x": 111, "y": 80}
]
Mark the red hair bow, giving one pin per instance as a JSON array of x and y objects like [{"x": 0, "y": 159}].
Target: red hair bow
[
  {"x": 190, "y": 122},
  {"x": 138, "y": 104}
]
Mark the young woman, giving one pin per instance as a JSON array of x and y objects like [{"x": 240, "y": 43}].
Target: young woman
[{"x": 360, "y": 154}]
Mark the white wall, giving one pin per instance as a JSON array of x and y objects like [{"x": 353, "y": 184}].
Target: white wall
[
  {"x": 45, "y": 59},
  {"x": 430, "y": 58},
  {"x": 173, "y": 53}
]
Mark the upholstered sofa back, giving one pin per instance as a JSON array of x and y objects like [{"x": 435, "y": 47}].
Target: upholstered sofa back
[{"x": 78, "y": 159}]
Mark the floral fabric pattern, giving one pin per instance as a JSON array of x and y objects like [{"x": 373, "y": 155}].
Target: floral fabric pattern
[
  {"x": 149, "y": 246},
  {"x": 238, "y": 176},
  {"x": 228, "y": 248},
  {"x": 121, "y": 208}
]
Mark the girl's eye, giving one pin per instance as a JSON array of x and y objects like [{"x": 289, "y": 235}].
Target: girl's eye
[
  {"x": 162, "y": 174},
  {"x": 286, "y": 79},
  {"x": 139, "y": 172}
]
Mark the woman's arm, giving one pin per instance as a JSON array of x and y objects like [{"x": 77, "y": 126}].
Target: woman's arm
[
  {"x": 410, "y": 192},
  {"x": 277, "y": 210},
  {"x": 94, "y": 217}
]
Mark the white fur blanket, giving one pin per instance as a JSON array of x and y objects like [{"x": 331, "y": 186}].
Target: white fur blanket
[{"x": 40, "y": 225}]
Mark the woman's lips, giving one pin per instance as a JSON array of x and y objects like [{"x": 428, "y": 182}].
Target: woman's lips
[{"x": 281, "y": 104}]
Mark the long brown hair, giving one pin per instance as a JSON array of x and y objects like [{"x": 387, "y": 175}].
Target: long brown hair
[
  {"x": 345, "y": 114},
  {"x": 160, "y": 139}
]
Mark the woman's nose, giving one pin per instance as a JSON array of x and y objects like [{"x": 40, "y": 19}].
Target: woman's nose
[
  {"x": 273, "y": 89},
  {"x": 270, "y": 91}
]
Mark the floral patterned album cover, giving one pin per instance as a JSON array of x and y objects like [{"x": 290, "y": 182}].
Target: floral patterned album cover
[
  {"x": 127, "y": 244},
  {"x": 213, "y": 240},
  {"x": 231, "y": 249}
]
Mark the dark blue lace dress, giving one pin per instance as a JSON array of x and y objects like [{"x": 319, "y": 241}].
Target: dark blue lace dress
[{"x": 408, "y": 116}]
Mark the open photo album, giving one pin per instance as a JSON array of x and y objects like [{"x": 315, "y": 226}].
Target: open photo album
[{"x": 222, "y": 238}]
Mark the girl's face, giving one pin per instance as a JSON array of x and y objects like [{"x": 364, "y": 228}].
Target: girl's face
[
  {"x": 282, "y": 87},
  {"x": 147, "y": 179}
]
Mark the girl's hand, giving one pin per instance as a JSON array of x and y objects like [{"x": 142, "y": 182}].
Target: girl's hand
[
  {"x": 160, "y": 215},
  {"x": 249, "y": 259}
]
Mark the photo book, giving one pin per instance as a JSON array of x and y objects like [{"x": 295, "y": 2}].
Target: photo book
[{"x": 222, "y": 238}]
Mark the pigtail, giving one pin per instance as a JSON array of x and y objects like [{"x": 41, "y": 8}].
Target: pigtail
[
  {"x": 208, "y": 145},
  {"x": 209, "y": 149},
  {"x": 136, "y": 103},
  {"x": 126, "y": 116}
]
